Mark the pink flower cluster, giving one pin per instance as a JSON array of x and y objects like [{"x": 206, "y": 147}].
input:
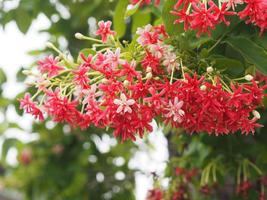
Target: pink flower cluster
[
  {"x": 110, "y": 90},
  {"x": 203, "y": 16}
]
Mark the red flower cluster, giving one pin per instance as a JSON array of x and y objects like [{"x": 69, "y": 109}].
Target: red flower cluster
[
  {"x": 243, "y": 188},
  {"x": 205, "y": 16},
  {"x": 155, "y": 194},
  {"x": 110, "y": 90}
]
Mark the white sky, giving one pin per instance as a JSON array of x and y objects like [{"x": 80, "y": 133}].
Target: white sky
[{"x": 13, "y": 55}]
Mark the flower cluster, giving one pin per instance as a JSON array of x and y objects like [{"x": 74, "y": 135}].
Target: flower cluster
[
  {"x": 126, "y": 87},
  {"x": 203, "y": 16}
]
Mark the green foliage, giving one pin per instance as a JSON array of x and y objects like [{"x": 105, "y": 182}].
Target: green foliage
[
  {"x": 168, "y": 19},
  {"x": 119, "y": 19},
  {"x": 253, "y": 53}
]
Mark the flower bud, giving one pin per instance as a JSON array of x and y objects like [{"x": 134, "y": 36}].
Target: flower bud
[
  {"x": 248, "y": 77},
  {"x": 126, "y": 83},
  {"x": 79, "y": 36},
  {"x": 203, "y": 87},
  {"x": 209, "y": 69},
  {"x": 49, "y": 45},
  {"x": 27, "y": 72},
  {"x": 149, "y": 75},
  {"x": 256, "y": 114},
  {"x": 149, "y": 69},
  {"x": 104, "y": 80}
]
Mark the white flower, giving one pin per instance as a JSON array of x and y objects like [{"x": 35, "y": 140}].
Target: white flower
[
  {"x": 175, "y": 110},
  {"x": 170, "y": 61},
  {"x": 91, "y": 94},
  {"x": 124, "y": 104},
  {"x": 144, "y": 33}
]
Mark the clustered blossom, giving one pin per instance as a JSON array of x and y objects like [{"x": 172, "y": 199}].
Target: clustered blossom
[
  {"x": 111, "y": 89},
  {"x": 204, "y": 16}
]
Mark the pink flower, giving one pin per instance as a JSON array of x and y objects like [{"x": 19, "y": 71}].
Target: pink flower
[
  {"x": 30, "y": 107},
  {"x": 50, "y": 66},
  {"x": 113, "y": 59},
  {"x": 104, "y": 30},
  {"x": 81, "y": 78},
  {"x": 174, "y": 110},
  {"x": 124, "y": 104}
]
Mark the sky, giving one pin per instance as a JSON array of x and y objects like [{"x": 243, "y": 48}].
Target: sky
[{"x": 13, "y": 55}]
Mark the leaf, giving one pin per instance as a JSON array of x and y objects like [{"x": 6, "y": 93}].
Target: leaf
[
  {"x": 118, "y": 19},
  {"x": 253, "y": 53},
  {"x": 168, "y": 19},
  {"x": 23, "y": 20},
  {"x": 233, "y": 67},
  {"x": 3, "y": 78},
  {"x": 140, "y": 19}
]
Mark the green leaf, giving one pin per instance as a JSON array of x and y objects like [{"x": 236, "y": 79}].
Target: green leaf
[
  {"x": 3, "y": 78},
  {"x": 140, "y": 19},
  {"x": 168, "y": 19},
  {"x": 233, "y": 67},
  {"x": 23, "y": 20},
  {"x": 252, "y": 53},
  {"x": 118, "y": 19}
]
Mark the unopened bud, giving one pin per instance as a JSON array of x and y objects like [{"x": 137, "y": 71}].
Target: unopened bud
[
  {"x": 29, "y": 83},
  {"x": 104, "y": 80},
  {"x": 248, "y": 77},
  {"x": 203, "y": 87},
  {"x": 149, "y": 75},
  {"x": 27, "y": 72},
  {"x": 149, "y": 69},
  {"x": 49, "y": 45},
  {"x": 256, "y": 114},
  {"x": 126, "y": 83},
  {"x": 79, "y": 36},
  {"x": 209, "y": 69}
]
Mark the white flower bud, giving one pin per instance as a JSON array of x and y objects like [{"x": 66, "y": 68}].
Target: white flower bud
[
  {"x": 203, "y": 87},
  {"x": 209, "y": 69},
  {"x": 149, "y": 75},
  {"x": 49, "y": 45},
  {"x": 79, "y": 36},
  {"x": 149, "y": 69},
  {"x": 126, "y": 83},
  {"x": 27, "y": 72},
  {"x": 256, "y": 114},
  {"x": 248, "y": 77}
]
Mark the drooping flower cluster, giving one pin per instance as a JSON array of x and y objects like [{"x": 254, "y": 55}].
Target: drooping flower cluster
[
  {"x": 126, "y": 87},
  {"x": 204, "y": 16}
]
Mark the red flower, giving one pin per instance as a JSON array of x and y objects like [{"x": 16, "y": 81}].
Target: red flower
[
  {"x": 155, "y": 194},
  {"x": 104, "y": 30},
  {"x": 50, "y": 66},
  {"x": 81, "y": 78},
  {"x": 61, "y": 108},
  {"x": 243, "y": 188}
]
